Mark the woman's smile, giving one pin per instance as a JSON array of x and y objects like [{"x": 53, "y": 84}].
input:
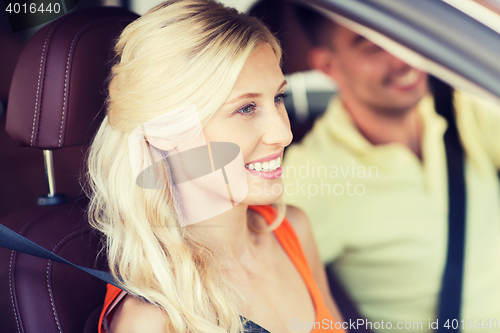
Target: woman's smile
[{"x": 268, "y": 167}]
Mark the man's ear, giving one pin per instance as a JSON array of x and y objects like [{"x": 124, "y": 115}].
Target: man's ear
[{"x": 323, "y": 59}]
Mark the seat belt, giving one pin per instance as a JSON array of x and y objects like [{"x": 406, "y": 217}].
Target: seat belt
[
  {"x": 14, "y": 241},
  {"x": 451, "y": 291}
]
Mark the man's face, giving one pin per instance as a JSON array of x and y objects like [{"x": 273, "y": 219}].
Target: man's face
[{"x": 369, "y": 75}]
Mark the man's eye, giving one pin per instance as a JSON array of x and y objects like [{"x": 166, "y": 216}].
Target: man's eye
[
  {"x": 280, "y": 98},
  {"x": 372, "y": 49},
  {"x": 248, "y": 109}
]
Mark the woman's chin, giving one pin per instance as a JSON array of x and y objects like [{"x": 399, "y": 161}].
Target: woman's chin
[{"x": 264, "y": 192}]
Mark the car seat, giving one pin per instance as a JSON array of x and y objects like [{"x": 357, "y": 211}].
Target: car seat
[{"x": 57, "y": 100}]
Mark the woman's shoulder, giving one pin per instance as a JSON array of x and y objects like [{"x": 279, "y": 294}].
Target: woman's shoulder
[
  {"x": 302, "y": 228},
  {"x": 133, "y": 315},
  {"x": 300, "y": 223}
]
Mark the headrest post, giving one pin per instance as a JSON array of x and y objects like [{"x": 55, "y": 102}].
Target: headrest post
[
  {"x": 52, "y": 198},
  {"x": 48, "y": 161}
]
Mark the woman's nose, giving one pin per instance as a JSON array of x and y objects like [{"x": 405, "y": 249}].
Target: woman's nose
[{"x": 276, "y": 128}]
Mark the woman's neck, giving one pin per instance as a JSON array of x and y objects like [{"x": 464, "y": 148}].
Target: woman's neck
[{"x": 228, "y": 235}]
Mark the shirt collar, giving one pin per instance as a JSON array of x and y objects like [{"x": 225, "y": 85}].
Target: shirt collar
[{"x": 342, "y": 127}]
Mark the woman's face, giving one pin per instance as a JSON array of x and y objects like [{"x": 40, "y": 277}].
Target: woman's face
[{"x": 254, "y": 118}]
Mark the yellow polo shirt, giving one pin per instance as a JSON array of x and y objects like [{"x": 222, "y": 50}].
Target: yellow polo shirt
[{"x": 381, "y": 214}]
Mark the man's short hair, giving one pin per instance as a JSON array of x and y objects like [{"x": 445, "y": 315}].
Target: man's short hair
[{"x": 318, "y": 28}]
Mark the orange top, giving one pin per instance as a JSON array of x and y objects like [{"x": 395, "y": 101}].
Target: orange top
[{"x": 286, "y": 236}]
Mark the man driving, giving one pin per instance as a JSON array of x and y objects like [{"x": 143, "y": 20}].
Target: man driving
[{"x": 372, "y": 177}]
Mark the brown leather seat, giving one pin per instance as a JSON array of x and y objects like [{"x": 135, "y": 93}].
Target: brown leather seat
[{"x": 56, "y": 100}]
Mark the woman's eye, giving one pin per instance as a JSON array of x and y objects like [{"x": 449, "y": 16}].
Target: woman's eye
[
  {"x": 280, "y": 98},
  {"x": 247, "y": 109}
]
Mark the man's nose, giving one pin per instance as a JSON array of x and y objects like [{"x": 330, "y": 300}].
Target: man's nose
[{"x": 396, "y": 63}]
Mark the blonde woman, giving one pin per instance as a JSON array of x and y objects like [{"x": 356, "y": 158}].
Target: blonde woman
[{"x": 196, "y": 86}]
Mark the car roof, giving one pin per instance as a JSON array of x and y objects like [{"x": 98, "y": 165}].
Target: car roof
[{"x": 444, "y": 38}]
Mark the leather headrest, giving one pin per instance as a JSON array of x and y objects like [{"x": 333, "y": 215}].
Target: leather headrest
[{"x": 57, "y": 93}]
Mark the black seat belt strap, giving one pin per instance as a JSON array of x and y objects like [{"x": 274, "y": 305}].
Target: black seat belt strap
[
  {"x": 14, "y": 241},
  {"x": 451, "y": 292}
]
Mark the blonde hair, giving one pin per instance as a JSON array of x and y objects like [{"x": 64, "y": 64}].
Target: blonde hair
[{"x": 182, "y": 52}]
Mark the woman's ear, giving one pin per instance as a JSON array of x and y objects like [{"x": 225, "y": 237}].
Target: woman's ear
[{"x": 324, "y": 60}]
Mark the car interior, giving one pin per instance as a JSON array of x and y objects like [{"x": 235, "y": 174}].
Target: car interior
[{"x": 55, "y": 104}]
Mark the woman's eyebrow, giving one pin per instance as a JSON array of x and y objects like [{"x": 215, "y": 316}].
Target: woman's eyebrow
[
  {"x": 281, "y": 85},
  {"x": 249, "y": 95},
  {"x": 252, "y": 95}
]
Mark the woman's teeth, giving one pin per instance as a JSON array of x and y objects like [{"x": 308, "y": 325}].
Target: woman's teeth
[{"x": 265, "y": 166}]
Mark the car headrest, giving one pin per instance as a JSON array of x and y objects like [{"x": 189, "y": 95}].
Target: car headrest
[
  {"x": 279, "y": 16},
  {"x": 57, "y": 93}
]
